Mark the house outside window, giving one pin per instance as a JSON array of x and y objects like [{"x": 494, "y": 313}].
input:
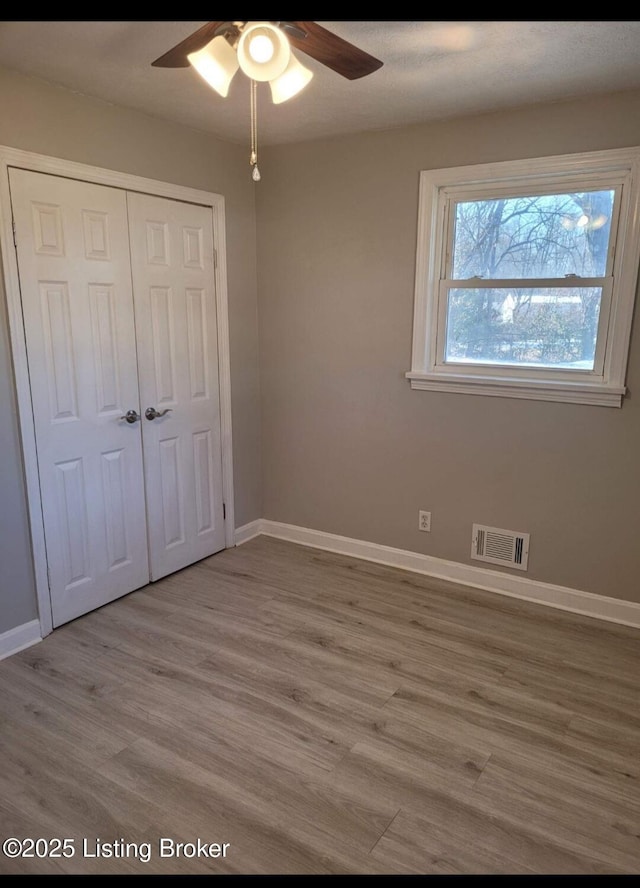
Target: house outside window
[{"x": 526, "y": 277}]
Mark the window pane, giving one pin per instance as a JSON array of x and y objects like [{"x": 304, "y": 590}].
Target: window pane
[
  {"x": 544, "y": 327},
  {"x": 548, "y": 235}
]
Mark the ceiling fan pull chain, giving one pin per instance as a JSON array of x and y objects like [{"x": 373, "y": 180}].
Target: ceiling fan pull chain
[{"x": 255, "y": 172}]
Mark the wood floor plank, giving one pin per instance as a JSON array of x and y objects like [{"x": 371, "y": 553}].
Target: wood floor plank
[
  {"x": 341, "y": 712},
  {"x": 463, "y": 841},
  {"x": 597, "y": 785},
  {"x": 580, "y": 689},
  {"x": 483, "y": 711},
  {"x": 601, "y": 830},
  {"x": 282, "y": 721},
  {"x": 64, "y": 669},
  {"x": 214, "y": 786},
  {"x": 311, "y": 658},
  {"x": 404, "y": 777},
  {"x": 79, "y": 720},
  {"x": 596, "y": 735},
  {"x": 395, "y": 636},
  {"x": 325, "y": 715}
]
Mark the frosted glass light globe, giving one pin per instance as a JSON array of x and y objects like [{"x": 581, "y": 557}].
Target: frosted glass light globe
[
  {"x": 263, "y": 51},
  {"x": 261, "y": 48}
]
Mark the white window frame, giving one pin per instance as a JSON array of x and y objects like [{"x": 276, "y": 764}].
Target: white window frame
[{"x": 617, "y": 169}]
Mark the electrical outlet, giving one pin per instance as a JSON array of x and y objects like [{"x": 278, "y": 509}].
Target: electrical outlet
[{"x": 424, "y": 521}]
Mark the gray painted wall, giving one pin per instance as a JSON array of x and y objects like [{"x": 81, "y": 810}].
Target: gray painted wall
[
  {"x": 17, "y": 589},
  {"x": 348, "y": 447},
  {"x": 48, "y": 120}
]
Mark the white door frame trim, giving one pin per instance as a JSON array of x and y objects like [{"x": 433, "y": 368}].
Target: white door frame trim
[{"x": 14, "y": 157}]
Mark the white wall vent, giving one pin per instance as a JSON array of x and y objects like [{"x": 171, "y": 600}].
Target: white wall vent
[{"x": 506, "y": 547}]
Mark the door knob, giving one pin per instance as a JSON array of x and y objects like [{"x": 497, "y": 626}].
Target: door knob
[
  {"x": 152, "y": 413},
  {"x": 131, "y": 416}
]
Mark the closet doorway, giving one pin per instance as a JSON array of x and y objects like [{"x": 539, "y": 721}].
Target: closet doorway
[{"x": 127, "y": 391}]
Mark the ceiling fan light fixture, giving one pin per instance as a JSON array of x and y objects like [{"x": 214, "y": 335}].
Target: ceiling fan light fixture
[
  {"x": 290, "y": 82},
  {"x": 263, "y": 51},
  {"x": 216, "y": 63}
]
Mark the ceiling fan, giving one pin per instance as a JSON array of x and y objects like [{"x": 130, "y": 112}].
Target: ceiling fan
[
  {"x": 263, "y": 50},
  {"x": 308, "y": 37}
]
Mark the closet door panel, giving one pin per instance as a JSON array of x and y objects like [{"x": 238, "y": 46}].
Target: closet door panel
[
  {"x": 75, "y": 279},
  {"x": 174, "y": 297}
]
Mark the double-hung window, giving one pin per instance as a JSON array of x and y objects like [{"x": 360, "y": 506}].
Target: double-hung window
[{"x": 526, "y": 277}]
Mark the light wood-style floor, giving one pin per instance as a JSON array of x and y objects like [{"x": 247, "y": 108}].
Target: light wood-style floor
[{"x": 322, "y": 714}]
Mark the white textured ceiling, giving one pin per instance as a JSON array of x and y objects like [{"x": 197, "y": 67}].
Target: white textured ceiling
[{"x": 431, "y": 70}]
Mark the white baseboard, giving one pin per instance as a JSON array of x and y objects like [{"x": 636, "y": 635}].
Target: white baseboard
[
  {"x": 614, "y": 610},
  {"x": 249, "y": 531},
  {"x": 19, "y": 638}
]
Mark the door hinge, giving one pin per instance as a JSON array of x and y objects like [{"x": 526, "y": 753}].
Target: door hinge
[
  {"x": 49, "y": 578},
  {"x": 215, "y": 258},
  {"x": 224, "y": 511},
  {"x": 13, "y": 225}
]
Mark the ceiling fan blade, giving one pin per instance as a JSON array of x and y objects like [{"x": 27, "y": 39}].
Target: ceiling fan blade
[
  {"x": 177, "y": 57},
  {"x": 334, "y": 52}
]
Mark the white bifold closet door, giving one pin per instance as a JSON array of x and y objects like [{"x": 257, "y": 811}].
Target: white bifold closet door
[
  {"x": 119, "y": 314},
  {"x": 172, "y": 262}
]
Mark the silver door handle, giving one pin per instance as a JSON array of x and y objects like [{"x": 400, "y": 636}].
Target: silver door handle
[
  {"x": 131, "y": 416},
  {"x": 152, "y": 413}
]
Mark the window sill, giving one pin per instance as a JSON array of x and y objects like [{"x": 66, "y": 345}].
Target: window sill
[{"x": 503, "y": 387}]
